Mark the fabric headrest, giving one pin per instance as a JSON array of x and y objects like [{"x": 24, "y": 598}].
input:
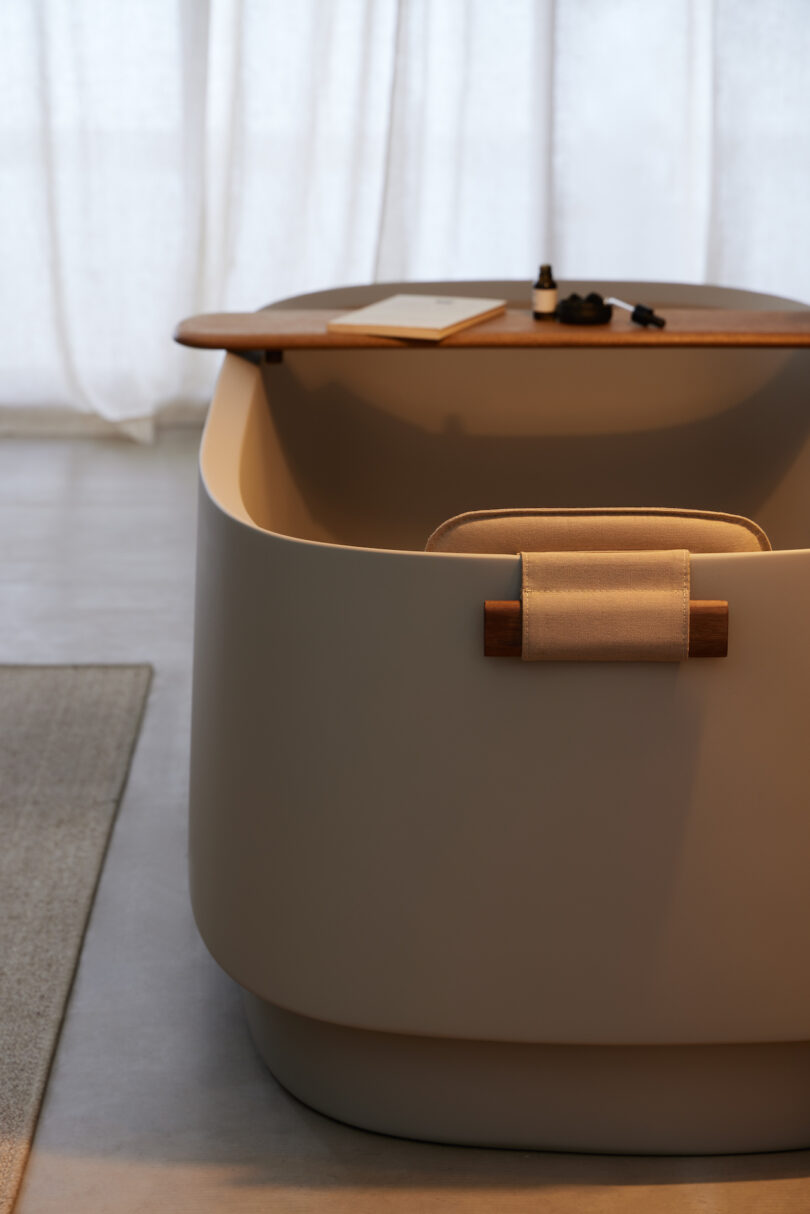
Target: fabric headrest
[{"x": 612, "y": 529}]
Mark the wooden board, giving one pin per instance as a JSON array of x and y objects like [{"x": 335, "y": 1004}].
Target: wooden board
[
  {"x": 708, "y": 628},
  {"x": 305, "y": 329}
]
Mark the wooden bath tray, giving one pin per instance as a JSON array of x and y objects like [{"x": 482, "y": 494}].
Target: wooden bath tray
[{"x": 279, "y": 329}]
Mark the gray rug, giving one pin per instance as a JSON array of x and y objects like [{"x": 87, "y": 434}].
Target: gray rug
[{"x": 67, "y": 734}]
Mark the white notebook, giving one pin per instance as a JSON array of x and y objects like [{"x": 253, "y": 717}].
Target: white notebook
[{"x": 429, "y": 317}]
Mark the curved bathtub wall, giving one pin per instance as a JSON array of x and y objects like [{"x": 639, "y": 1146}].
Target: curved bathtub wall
[{"x": 390, "y": 833}]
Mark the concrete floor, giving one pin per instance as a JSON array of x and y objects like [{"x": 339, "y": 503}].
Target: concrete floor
[{"x": 157, "y": 1100}]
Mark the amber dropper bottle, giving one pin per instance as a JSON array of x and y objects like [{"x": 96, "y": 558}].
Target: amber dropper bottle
[{"x": 544, "y": 295}]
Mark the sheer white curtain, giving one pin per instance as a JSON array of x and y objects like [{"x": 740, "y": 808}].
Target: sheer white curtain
[{"x": 164, "y": 157}]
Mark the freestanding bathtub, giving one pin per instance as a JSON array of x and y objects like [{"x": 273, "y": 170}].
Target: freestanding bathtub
[{"x": 554, "y": 905}]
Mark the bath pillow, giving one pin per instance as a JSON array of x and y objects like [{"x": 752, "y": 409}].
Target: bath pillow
[{"x": 612, "y": 529}]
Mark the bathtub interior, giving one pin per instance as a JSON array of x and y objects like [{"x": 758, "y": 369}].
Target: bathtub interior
[{"x": 375, "y": 448}]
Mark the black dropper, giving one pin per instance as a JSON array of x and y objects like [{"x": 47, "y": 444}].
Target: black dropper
[{"x": 640, "y": 313}]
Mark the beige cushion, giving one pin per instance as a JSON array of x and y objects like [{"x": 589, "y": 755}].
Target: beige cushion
[{"x": 612, "y": 529}]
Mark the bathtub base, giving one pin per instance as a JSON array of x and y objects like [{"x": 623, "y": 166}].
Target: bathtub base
[{"x": 651, "y": 1100}]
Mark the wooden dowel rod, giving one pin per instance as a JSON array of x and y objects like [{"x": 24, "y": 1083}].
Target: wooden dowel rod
[{"x": 708, "y": 628}]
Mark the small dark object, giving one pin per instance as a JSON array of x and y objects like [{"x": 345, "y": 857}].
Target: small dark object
[
  {"x": 544, "y": 295},
  {"x": 643, "y": 315},
  {"x": 639, "y": 313},
  {"x": 589, "y": 311}
]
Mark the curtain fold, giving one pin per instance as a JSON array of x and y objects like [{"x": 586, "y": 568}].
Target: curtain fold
[{"x": 164, "y": 157}]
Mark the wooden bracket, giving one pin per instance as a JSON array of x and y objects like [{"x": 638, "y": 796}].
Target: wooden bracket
[{"x": 708, "y": 628}]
